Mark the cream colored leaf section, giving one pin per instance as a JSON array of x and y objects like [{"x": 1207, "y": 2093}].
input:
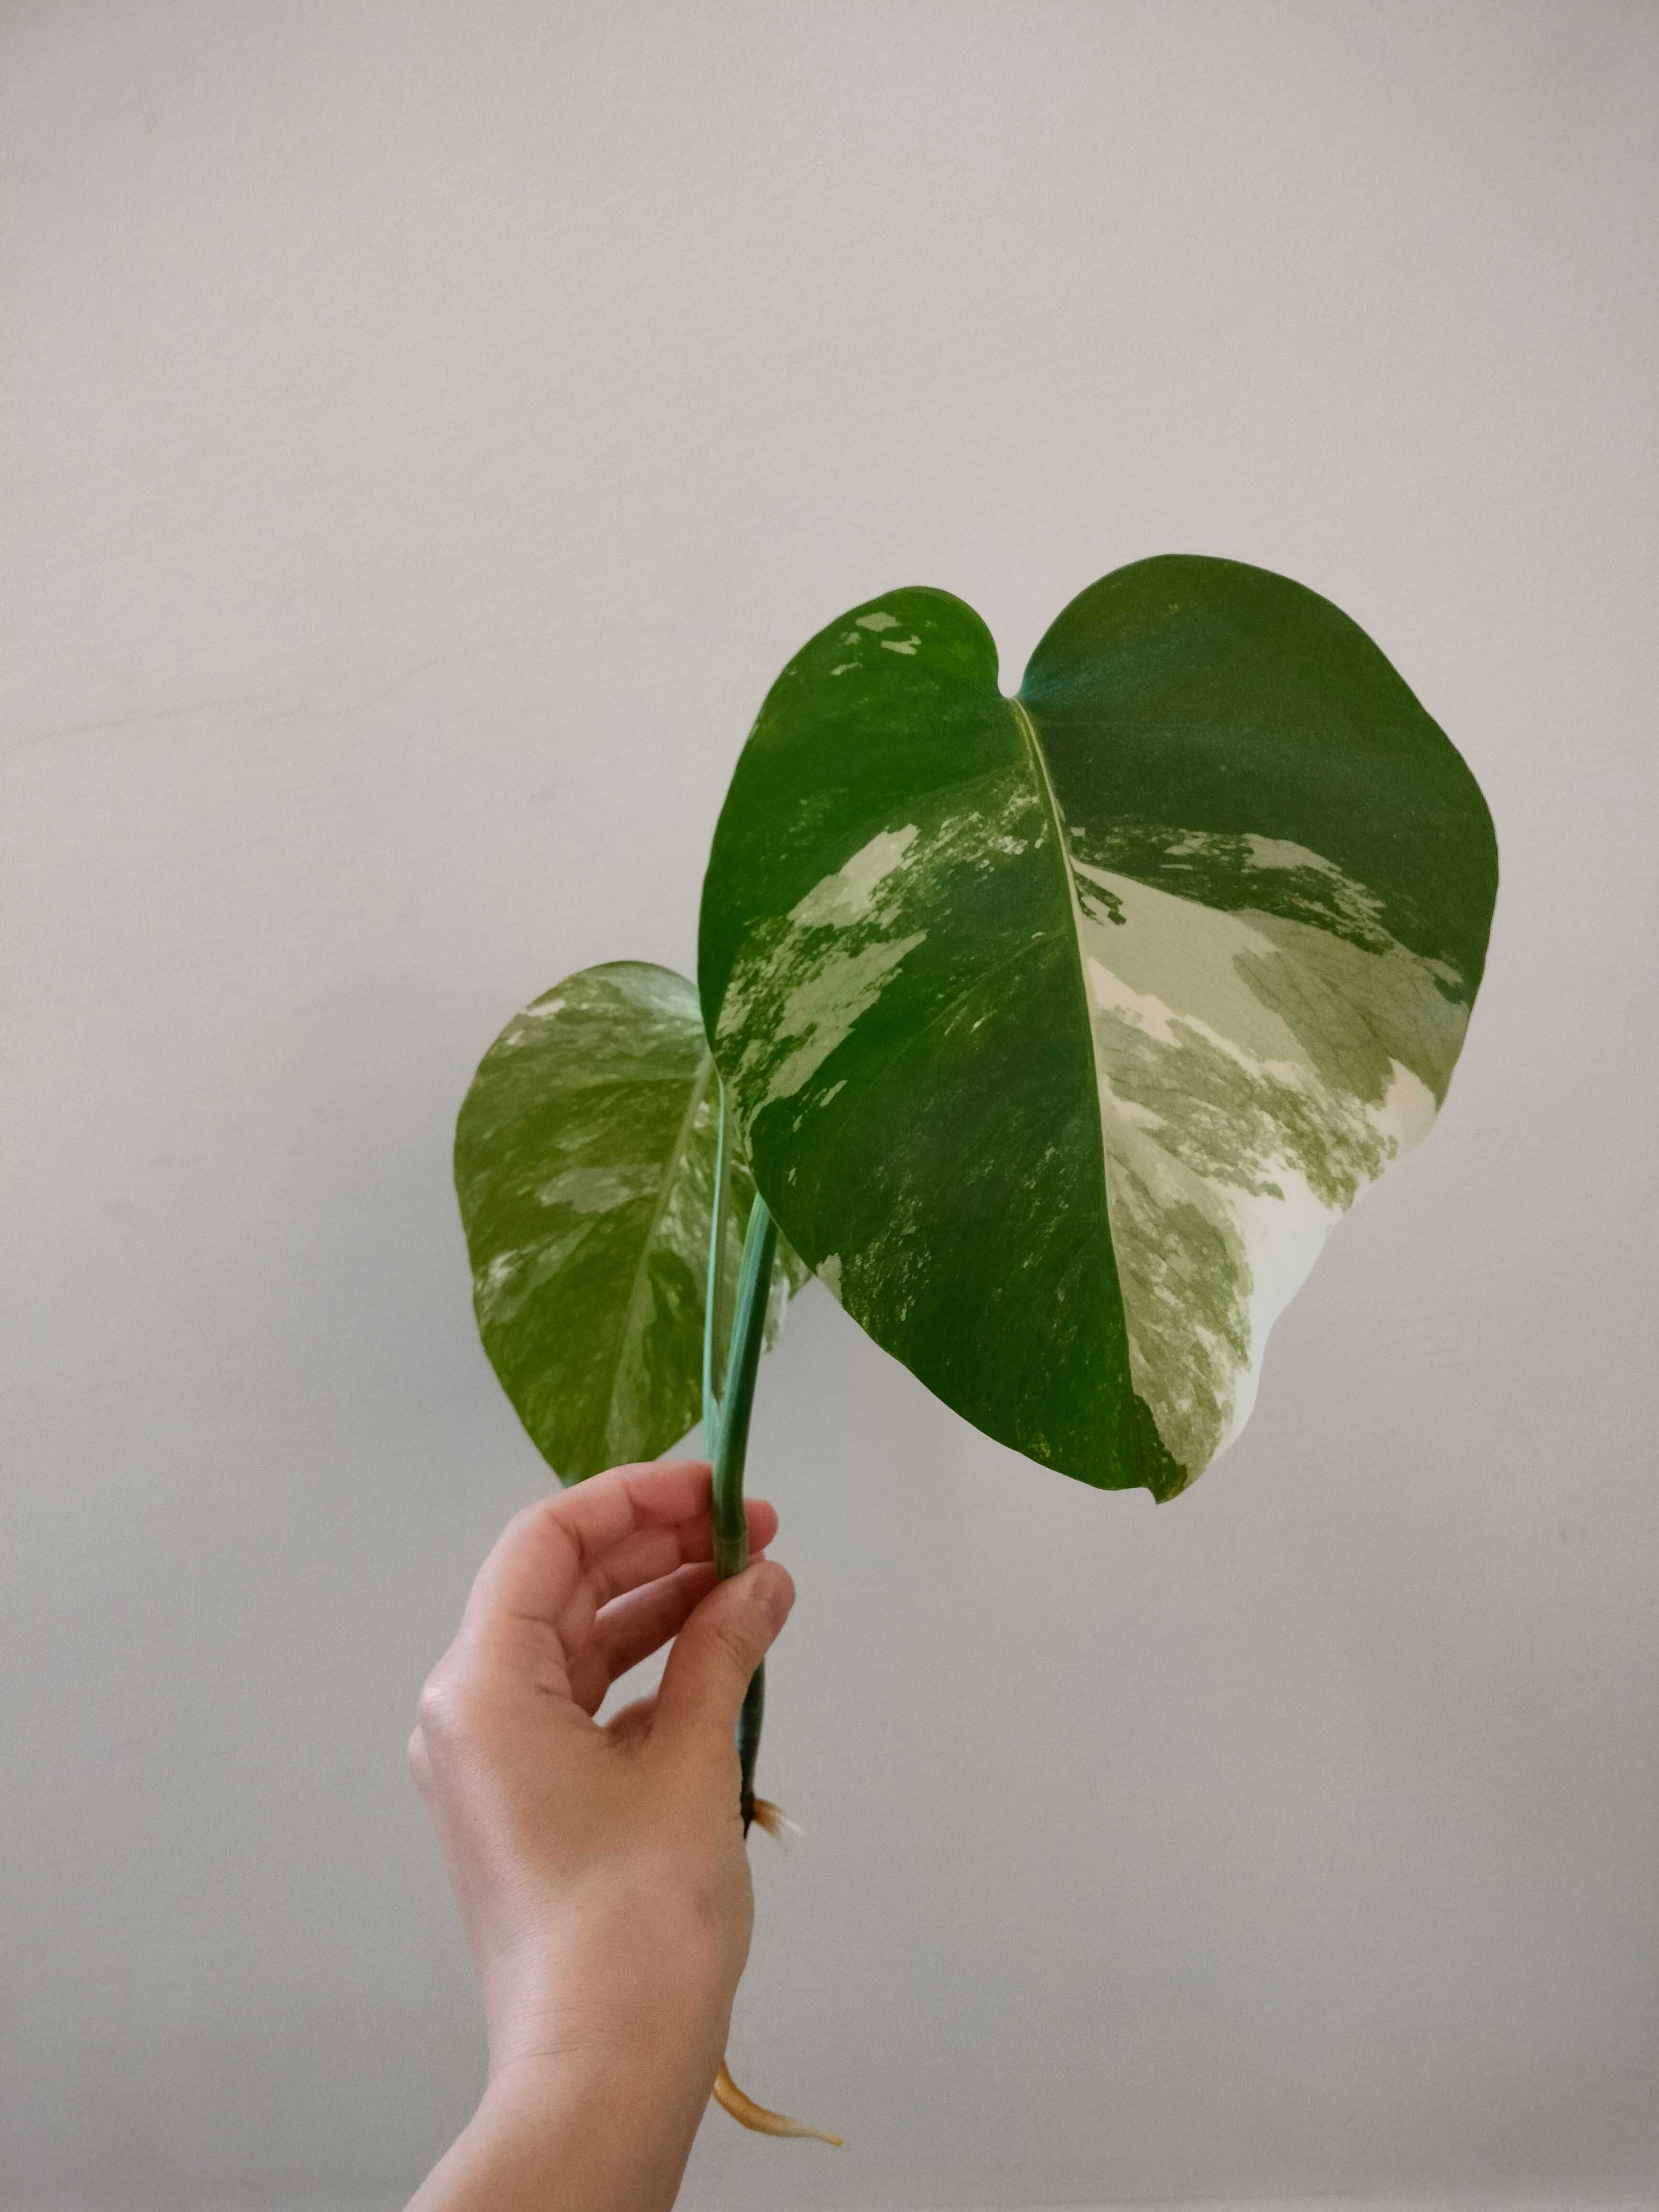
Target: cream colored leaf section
[{"x": 1257, "y": 1074}]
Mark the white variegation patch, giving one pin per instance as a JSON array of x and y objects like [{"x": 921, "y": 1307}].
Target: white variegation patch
[
  {"x": 849, "y": 895},
  {"x": 1255, "y": 1075},
  {"x": 598, "y": 1190},
  {"x": 823, "y": 1008},
  {"x": 805, "y": 981}
]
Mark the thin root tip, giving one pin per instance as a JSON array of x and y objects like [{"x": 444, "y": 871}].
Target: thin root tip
[
  {"x": 776, "y": 1821},
  {"x": 749, "y": 2114}
]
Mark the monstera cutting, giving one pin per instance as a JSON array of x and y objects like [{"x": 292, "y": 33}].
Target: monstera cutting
[{"x": 1052, "y": 1032}]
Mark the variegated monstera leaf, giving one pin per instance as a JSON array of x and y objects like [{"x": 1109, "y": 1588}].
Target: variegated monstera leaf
[
  {"x": 1064, "y": 1026},
  {"x": 585, "y": 1159}
]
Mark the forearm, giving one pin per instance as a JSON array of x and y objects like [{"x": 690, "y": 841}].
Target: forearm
[{"x": 579, "y": 2134}]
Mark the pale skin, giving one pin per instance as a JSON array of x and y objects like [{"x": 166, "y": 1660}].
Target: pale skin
[{"x": 600, "y": 1869}]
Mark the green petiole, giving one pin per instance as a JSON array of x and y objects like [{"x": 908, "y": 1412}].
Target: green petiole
[{"x": 730, "y": 1448}]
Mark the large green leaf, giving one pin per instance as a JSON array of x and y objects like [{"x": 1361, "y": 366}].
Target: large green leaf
[
  {"x": 584, "y": 1166},
  {"x": 1065, "y": 1026}
]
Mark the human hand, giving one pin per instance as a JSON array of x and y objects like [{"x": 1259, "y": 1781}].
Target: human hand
[{"x": 600, "y": 1870}]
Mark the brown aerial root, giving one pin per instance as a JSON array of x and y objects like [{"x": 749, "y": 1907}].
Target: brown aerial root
[
  {"x": 777, "y": 1824},
  {"x": 749, "y": 2114},
  {"x": 771, "y": 1818}
]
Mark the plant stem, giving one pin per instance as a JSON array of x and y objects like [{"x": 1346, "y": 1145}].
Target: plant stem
[
  {"x": 730, "y": 1447},
  {"x": 714, "y": 1294}
]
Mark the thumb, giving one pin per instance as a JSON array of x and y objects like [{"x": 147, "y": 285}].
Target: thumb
[{"x": 718, "y": 1649}]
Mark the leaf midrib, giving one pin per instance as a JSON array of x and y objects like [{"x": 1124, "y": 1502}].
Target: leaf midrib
[
  {"x": 1028, "y": 732},
  {"x": 877, "y": 1082}
]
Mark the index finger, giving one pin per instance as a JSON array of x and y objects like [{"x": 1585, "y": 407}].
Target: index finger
[{"x": 542, "y": 1554}]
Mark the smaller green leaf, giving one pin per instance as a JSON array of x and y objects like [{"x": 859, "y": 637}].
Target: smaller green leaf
[{"x": 585, "y": 1168}]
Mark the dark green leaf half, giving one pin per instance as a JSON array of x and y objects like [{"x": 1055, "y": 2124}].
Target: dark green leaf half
[
  {"x": 1063, "y": 1027},
  {"x": 585, "y": 1168}
]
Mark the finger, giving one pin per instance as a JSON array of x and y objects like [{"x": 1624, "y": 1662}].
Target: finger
[
  {"x": 638, "y": 1561},
  {"x": 634, "y": 1627},
  {"x": 650, "y": 1554},
  {"x": 717, "y": 1651},
  {"x": 542, "y": 1553},
  {"x": 643, "y": 1622},
  {"x": 633, "y": 1722}
]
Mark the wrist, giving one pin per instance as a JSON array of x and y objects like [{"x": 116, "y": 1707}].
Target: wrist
[
  {"x": 631, "y": 1991},
  {"x": 594, "y": 2126}
]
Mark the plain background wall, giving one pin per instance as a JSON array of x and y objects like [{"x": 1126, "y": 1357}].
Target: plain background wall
[{"x": 429, "y": 429}]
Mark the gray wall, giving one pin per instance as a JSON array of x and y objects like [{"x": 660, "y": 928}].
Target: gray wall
[{"x": 430, "y": 428}]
